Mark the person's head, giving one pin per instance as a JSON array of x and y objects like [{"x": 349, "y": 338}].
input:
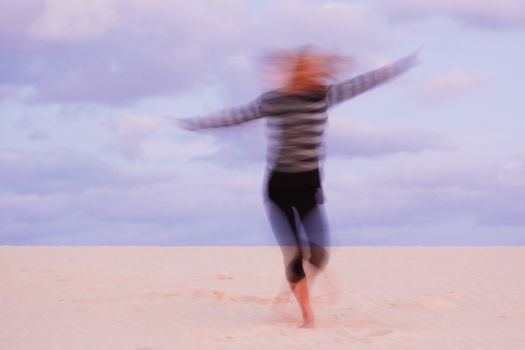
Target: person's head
[
  {"x": 306, "y": 69},
  {"x": 310, "y": 71}
]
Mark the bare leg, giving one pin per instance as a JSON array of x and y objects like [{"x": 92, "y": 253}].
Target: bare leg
[{"x": 300, "y": 291}]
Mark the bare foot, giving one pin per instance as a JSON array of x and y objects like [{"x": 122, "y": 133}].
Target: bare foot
[
  {"x": 300, "y": 291},
  {"x": 308, "y": 322}
]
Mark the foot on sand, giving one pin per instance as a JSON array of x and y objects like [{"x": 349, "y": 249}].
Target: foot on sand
[
  {"x": 308, "y": 325},
  {"x": 308, "y": 321}
]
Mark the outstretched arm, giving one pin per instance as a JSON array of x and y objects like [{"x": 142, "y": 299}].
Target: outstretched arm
[
  {"x": 348, "y": 89},
  {"x": 223, "y": 118}
]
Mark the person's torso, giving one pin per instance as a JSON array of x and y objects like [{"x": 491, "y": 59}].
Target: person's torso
[{"x": 296, "y": 125}]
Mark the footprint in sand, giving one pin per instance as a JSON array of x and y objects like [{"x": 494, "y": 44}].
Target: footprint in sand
[
  {"x": 427, "y": 303},
  {"x": 219, "y": 295},
  {"x": 170, "y": 295},
  {"x": 365, "y": 327},
  {"x": 223, "y": 277},
  {"x": 434, "y": 303},
  {"x": 379, "y": 332}
]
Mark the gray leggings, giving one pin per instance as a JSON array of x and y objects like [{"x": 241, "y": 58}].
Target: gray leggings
[{"x": 291, "y": 207}]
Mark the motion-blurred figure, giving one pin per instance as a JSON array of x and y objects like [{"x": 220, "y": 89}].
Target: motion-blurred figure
[{"x": 296, "y": 118}]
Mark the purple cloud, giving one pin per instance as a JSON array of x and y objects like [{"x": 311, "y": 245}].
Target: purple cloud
[
  {"x": 451, "y": 84},
  {"x": 130, "y": 132},
  {"x": 59, "y": 171},
  {"x": 71, "y": 20},
  {"x": 32, "y": 208},
  {"x": 505, "y": 14},
  {"x": 236, "y": 147},
  {"x": 430, "y": 193},
  {"x": 173, "y": 210},
  {"x": 113, "y": 52},
  {"x": 351, "y": 139},
  {"x": 189, "y": 209}
]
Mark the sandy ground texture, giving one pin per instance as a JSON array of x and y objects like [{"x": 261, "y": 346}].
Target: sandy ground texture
[{"x": 153, "y": 298}]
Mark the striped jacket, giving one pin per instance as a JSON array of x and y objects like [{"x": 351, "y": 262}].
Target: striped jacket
[{"x": 296, "y": 121}]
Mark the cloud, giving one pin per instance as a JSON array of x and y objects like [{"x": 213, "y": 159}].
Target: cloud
[
  {"x": 38, "y": 135},
  {"x": 453, "y": 83},
  {"x": 505, "y": 205},
  {"x": 177, "y": 210},
  {"x": 366, "y": 203},
  {"x": 114, "y": 52},
  {"x": 505, "y": 14},
  {"x": 333, "y": 23},
  {"x": 16, "y": 17},
  {"x": 131, "y": 132},
  {"x": 188, "y": 209},
  {"x": 245, "y": 145},
  {"x": 420, "y": 174},
  {"x": 74, "y": 19},
  {"x": 512, "y": 173},
  {"x": 421, "y": 192},
  {"x": 237, "y": 147},
  {"x": 58, "y": 171},
  {"x": 357, "y": 139},
  {"x": 32, "y": 208},
  {"x": 181, "y": 201},
  {"x": 502, "y": 208}
]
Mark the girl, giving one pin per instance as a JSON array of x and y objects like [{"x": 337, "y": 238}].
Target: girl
[{"x": 296, "y": 118}]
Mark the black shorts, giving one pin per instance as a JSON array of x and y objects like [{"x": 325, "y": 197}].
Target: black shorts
[{"x": 295, "y": 189}]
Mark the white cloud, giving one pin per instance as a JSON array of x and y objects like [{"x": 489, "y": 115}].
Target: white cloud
[
  {"x": 32, "y": 208},
  {"x": 131, "y": 132},
  {"x": 512, "y": 173},
  {"x": 357, "y": 139},
  {"x": 60, "y": 171},
  {"x": 501, "y": 14},
  {"x": 334, "y": 25},
  {"x": 245, "y": 145},
  {"x": 73, "y": 19},
  {"x": 238, "y": 146},
  {"x": 119, "y": 51},
  {"x": 104, "y": 207},
  {"x": 490, "y": 193},
  {"x": 451, "y": 84}
]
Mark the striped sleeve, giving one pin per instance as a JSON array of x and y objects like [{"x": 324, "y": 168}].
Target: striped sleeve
[
  {"x": 223, "y": 118},
  {"x": 348, "y": 89}
]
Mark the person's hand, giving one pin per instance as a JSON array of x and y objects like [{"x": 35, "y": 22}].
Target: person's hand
[
  {"x": 181, "y": 123},
  {"x": 413, "y": 59}
]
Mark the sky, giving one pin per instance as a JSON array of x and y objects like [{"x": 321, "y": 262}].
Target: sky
[{"x": 87, "y": 157}]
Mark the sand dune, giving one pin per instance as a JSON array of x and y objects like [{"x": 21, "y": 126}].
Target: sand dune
[{"x": 152, "y": 298}]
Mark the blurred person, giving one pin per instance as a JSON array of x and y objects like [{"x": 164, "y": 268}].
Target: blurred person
[{"x": 296, "y": 116}]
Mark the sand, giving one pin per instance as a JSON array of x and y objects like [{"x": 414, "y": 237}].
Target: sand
[{"x": 153, "y": 298}]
